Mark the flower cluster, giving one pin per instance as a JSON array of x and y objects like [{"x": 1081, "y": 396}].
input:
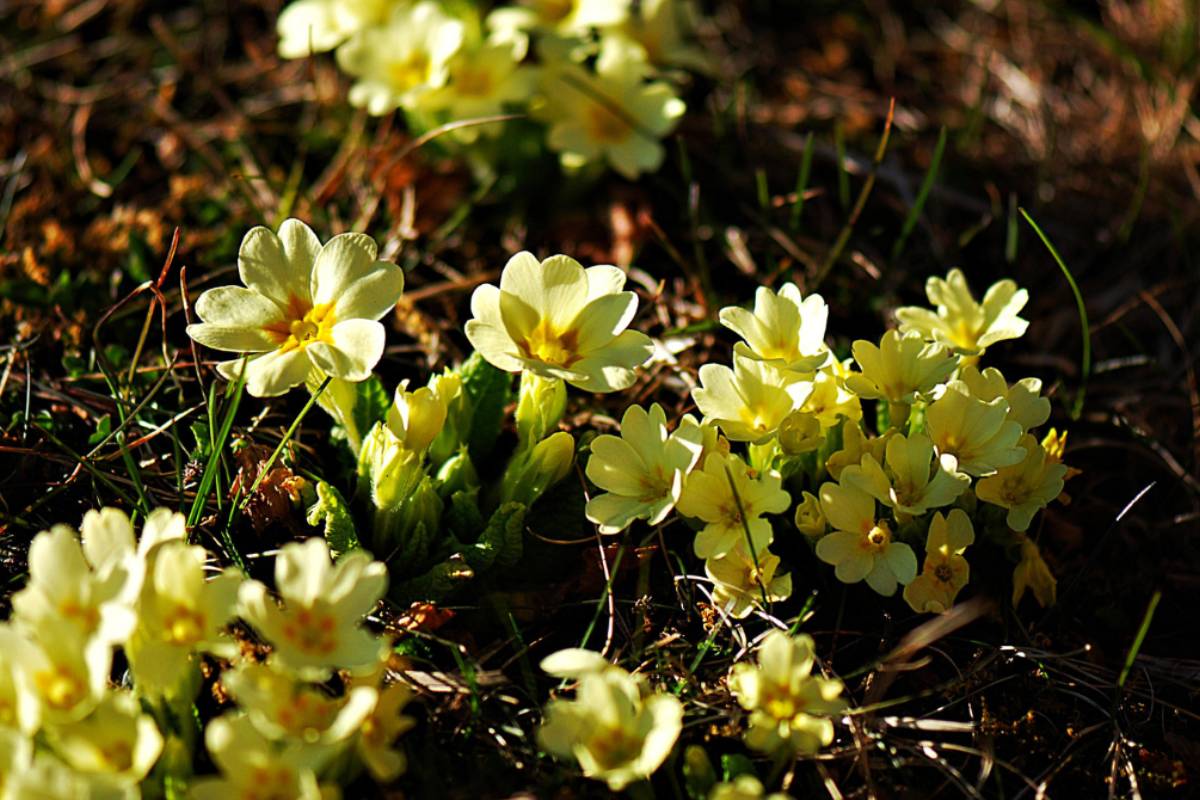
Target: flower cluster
[
  {"x": 594, "y": 73},
  {"x": 68, "y": 728}
]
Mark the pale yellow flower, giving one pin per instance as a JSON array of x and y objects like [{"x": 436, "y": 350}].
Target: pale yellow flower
[
  {"x": 789, "y": 706},
  {"x": 830, "y": 402},
  {"x": 855, "y": 444},
  {"x": 180, "y": 614},
  {"x": 945, "y": 571},
  {"x": 45, "y": 776},
  {"x": 376, "y": 743},
  {"x": 417, "y": 417},
  {"x": 800, "y": 432},
  {"x": 315, "y": 26},
  {"x": 750, "y": 401},
  {"x": 861, "y": 546},
  {"x": 402, "y": 63},
  {"x": 914, "y": 481},
  {"x": 116, "y": 742},
  {"x": 567, "y": 17},
  {"x": 729, "y": 509},
  {"x": 16, "y": 712},
  {"x": 739, "y": 581},
  {"x": 318, "y": 627},
  {"x": 785, "y": 329},
  {"x": 961, "y": 322},
  {"x": 60, "y": 677},
  {"x": 810, "y": 519},
  {"x": 902, "y": 369},
  {"x": 16, "y": 758},
  {"x": 1026, "y": 406},
  {"x": 744, "y": 787},
  {"x": 484, "y": 80},
  {"x": 614, "y": 730},
  {"x": 642, "y": 470},
  {"x": 284, "y": 709},
  {"x": 611, "y": 115},
  {"x": 1033, "y": 573},
  {"x": 560, "y": 321},
  {"x": 1024, "y": 488},
  {"x": 255, "y": 768},
  {"x": 664, "y": 30},
  {"x": 976, "y": 432},
  {"x": 305, "y": 306}
]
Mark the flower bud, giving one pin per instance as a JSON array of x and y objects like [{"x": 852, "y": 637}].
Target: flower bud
[
  {"x": 540, "y": 405},
  {"x": 417, "y": 417},
  {"x": 810, "y": 519},
  {"x": 528, "y": 477},
  {"x": 800, "y": 432}
]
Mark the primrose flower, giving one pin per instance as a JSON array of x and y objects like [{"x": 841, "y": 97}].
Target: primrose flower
[
  {"x": 945, "y": 571},
  {"x": 63, "y": 586},
  {"x": 59, "y": 677},
  {"x": 179, "y": 614},
  {"x": 318, "y": 627},
  {"x": 283, "y": 709},
  {"x": 1033, "y": 573},
  {"x": 305, "y": 307},
  {"x": 860, "y": 545},
  {"x": 253, "y": 766},
  {"x": 789, "y": 706},
  {"x": 566, "y": 17},
  {"x": 44, "y": 776},
  {"x": 663, "y": 28},
  {"x": 914, "y": 481},
  {"x": 483, "y": 81},
  {"x": 744, "y": 787},
  {"x": 16, "y": 755},
  {"x": 16, "y": 713},
  {"x": 402, "y": 63},
  {"x": 976, "y": 432},
  {"x": 615, "y": 731},
  {"x": 117, "y": 742},
  {"x": 739, "y": 582},
  {"x": 1026, "y": 406},
  {"x": 612, "y": 115},
  {"x": 900, "y": 369},
  {"x": 642, "y": 470},
  {"x": 1026, "y": 487},
  {"x": 830, "y": 402},
  {"x": 800, "y": 432},
  {"x": 785, "y": 329},
  {"x": 315, "y": 26},
  {"x": 384, "y": 725},
  {"x": 962, "y": 323},
  {"x": 810, "y": 519},
  {"x": 730, "y": 498},
  {"x": 750, "y": 401},
  {"x": 855, "y": 445},
  {"x": 417, "y": 417},
  {"x": 560, "y": 321}
]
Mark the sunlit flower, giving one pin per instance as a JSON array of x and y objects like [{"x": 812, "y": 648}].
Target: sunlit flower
[
  {"x": 830, "y": 402},
  {"x": 744, "y": 787},
  {"x": 16, "y": 712},
  {"x": 403, "y": 63},
  {"x": 45, "y": 776},
  {"x": 740, "y": 581},
  {"x": 1026, "y": 406},
  {"x": 731, "y": 499},
  {"x": 314, "y": 26},
  {"x": 417, "y": 417},
  {"x": 64, "y": 588},
  {"x": 961, "y": 322},
  {"x": 560, "y": 321},
  {"x": 1055, "y": 445},
  {"x": 180, "y": 614},
  {"x": 377, "y": 746},
  {"x": 16, "y": 757},
  {"x": 116, "y": 741},
  {"x": 789, "y": 706},
  {"x": 1026, "y": 487},
  {"x": 612, "y": 114},
  {"x": 282, "y": 708},
  {"x": 318, "y": 626},
  {"x": 785, "y": 329},
  {"x": 855, "y": 444},
  {"x": 945, "y": 571},
  {"x": 900, "y": 370},
  {"x": 642, "y": 470},
  {"x": 810, "y": 519},
  {"x": 612, "y": 729},
  {"x": 305, "y": 307},
  {"x": 254, "y": 767},
  {"x": 800, "y": 432},
  {"x": 548, "y": 463},
  {"x": 663, "y": 28},
  {"x": 569, "y": 17},
  {"x": 1033, "y": 573},
  {"x": 60, "y": 677},
  {"x": 914, "y": 481},
  {"x": 976, "y": 432},
  {"x": 861, "y": 546},
  {"x": 750, "y": 401},
  {"x": 484, "y": 80}
]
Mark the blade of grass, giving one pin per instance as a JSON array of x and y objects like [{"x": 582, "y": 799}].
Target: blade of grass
[
  {"x": 914, "y": 213},
  {"x": 1131, "y": 656},
  {"x": 1086, "y": 362},
  {"x": 802, "y": 182},
  {"x": 839, "y": 145},
  {"x": 737, "y": 501},
  {"x": 218, "y": 445}
]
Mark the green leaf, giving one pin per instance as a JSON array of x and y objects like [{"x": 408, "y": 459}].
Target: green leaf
[
  {"x": 463, "y": 517},
  {"x": 434, "y": 584},
  {"x": 372, "y": 403},
  {"x": 502, "y": 542},
  {"x": 331, "y": 510},
  {"x": 488, "y": 391},
  {"x": 735, "y": 764}
]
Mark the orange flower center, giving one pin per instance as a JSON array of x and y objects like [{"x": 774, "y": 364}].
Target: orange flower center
[{"x": 302, "y": 325}]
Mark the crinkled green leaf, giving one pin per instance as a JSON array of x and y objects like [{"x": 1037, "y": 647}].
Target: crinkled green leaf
[
  {"x": 331, "y": 510},
  {"x": 488, "y": 391}
]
